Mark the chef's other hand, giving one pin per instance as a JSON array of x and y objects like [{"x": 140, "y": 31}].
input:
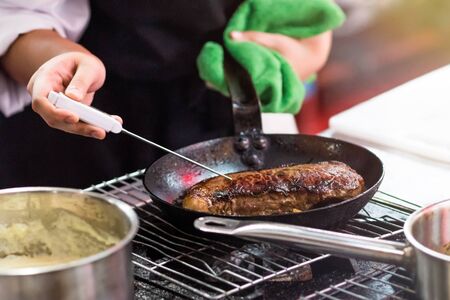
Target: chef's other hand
[
  {"x": 79, "y": 75},
  {"x": 306, "y": 56}
]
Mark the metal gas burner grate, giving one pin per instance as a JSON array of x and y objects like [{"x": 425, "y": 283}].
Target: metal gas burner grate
[
  {"x": 380, "y": 282},
  {"x": 173, "y": 262}
]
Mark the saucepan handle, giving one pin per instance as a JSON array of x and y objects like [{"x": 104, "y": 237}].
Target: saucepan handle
[{"x": 317, "y": 240}]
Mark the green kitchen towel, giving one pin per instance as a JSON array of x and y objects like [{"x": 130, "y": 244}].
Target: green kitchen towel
[{"x": 276, "y": 83}]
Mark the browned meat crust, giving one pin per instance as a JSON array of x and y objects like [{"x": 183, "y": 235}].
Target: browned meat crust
[{"x": 275, "y": 191}]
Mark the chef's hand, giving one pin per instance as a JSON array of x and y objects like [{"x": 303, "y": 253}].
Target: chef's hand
[
  {"x": 79, "y": 75},
  {"x": 306, "y": 56}
]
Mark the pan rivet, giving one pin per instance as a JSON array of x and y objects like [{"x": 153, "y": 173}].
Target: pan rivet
[
  {"x": 251, "y": 159},
  {"x": 260, "y": 142},
  {"x": 242, "y": 143}
]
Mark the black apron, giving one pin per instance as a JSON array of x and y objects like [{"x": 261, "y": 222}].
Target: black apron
[{"x": 149, "y": 50}]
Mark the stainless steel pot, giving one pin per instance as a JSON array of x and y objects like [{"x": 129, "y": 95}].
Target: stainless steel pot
[
  {"x": 426, "y": 231},
  {"x": 78, "y": 222}
]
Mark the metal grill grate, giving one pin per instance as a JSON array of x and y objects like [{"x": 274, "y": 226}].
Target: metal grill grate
[
  {"x": 180, "y": 262},
  {"x": 377, "y": 283}
]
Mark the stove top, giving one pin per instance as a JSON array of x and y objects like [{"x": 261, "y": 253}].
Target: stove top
[{"x": 180, "y": 263}]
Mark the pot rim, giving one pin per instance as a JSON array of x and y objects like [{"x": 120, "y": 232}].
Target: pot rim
[
  {"x": 410, "y": 236},
  {"x": 126, "y": 209}
]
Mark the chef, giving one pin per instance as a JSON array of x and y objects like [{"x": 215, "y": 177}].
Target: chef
[{"x": 137, "y": 59}]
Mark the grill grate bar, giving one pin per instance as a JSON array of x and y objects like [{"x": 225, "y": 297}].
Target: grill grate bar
[
  {"x": 237, "y": 275},
  {"x": 406, "y": 289},
  {"x": 136, "y": 180},
  {"x": 374, "y": 226},
  {"x": 215, "y": 257},
  {"x": 375, "y": 235},
  {"x": 400, "y": 199},
  {"x": 401, "y": 292},
  {"x": 344, "y": 291},
  {"x": 365, "y": 277},
  {"x": 387, "y": 235},
  {"x": 191, "y": 266},
  {"x": 394, "y": 274},
  {"x": 190, "y": 278},
  {"x": 395, "y": 207},
  {"x": 165, "y": 233},
  {"x": 378, "y": 291},
  {"x": 323, "y": 295},
  {"x": 205, "y": 247},
  {"x": 392, "y": 218},
  {"x": 198, "y": 250},
  {"x": 363, "y": 230},
  {"x": 179, "y": 283},
  {"x": 390, "y": 223}
]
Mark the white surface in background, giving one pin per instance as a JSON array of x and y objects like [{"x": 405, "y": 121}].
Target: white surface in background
[
  {"x": 409, "y": 129},
  {"x": 415, "y": 179},
  {"x": 414, "y": 117},
  {"x": 279, "y": 123}
]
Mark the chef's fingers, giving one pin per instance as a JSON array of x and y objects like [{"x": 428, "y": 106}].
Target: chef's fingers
[
  {"x": 64, "y": 120},
  {"x": 306, "y": 56},
  {"x": 89, "y": 77},
  {"x": 52, "y": 115},
  {"x": 39, "y": 87},
  {"x": 273, "y": 41},
  {"x": 118, "y": 118},
  {"x": 84, "y": 129}
]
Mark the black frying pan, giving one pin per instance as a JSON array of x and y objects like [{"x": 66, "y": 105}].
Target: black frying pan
[{"x": 169, "y": 177}]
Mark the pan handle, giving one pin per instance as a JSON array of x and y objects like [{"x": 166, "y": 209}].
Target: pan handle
[
  {"x": 245, "y": 100},
  {"x": 317, "y": 240}
]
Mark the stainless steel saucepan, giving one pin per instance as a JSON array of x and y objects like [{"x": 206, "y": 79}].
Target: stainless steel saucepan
[
  {"x": 65, "y": 244},
  {"x": 427, "y": 232}
]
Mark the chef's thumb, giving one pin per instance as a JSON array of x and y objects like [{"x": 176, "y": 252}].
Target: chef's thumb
[{"x": 81, "y": 83}]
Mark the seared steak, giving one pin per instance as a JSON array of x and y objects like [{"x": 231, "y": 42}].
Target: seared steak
[{"x": 275, "y": 191}]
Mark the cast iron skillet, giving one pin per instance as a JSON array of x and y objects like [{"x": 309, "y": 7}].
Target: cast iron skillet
[{"x": 169, "y": 177}]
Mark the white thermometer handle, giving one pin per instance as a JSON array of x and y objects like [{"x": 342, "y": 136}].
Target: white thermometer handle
[{"x": 86, "y": 113}]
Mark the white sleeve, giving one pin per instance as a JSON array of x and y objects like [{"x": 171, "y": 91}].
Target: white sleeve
[{"x": 68, "y": 17}]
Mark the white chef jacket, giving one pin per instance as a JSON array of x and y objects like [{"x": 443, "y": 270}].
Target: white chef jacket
[{"x": 68, "y": 17}]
